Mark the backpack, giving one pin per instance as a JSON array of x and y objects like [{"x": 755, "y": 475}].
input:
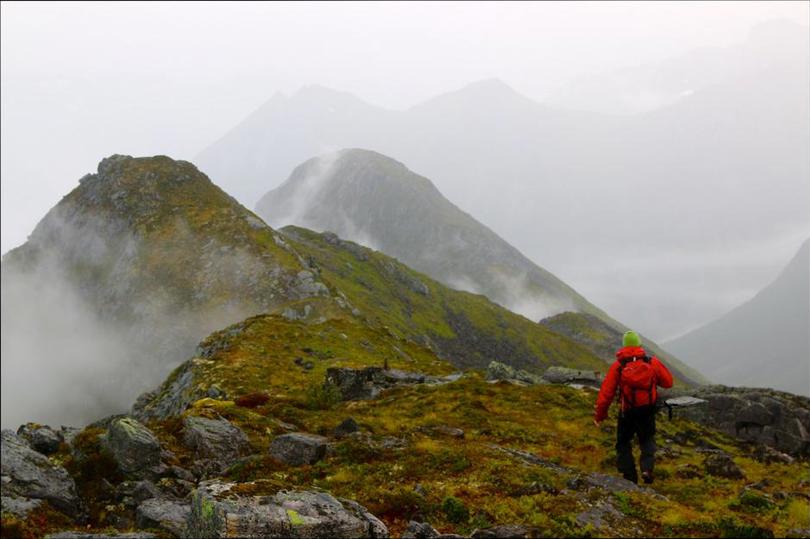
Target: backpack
[{"x": 636, "y": 375}]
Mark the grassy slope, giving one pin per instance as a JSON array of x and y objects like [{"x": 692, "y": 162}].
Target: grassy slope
[{"x": 467, "y": 329}]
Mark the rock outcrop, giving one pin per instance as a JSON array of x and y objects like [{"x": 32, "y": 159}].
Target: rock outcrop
[{"x": 763, "y": 416}]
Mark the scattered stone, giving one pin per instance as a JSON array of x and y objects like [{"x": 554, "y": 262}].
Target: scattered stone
[
  {"x": 346, "y": 427},
  {"x": 688, "y": 471},
  {"x": 769, "y": 455},
  {"x": 41, "y": 438},
  {"x": 598, "y": 516},
  {"x": 29, "y": 474},
  {"x": 504, "y": 532},
  {"x": 217, "y": 443},
  {"x": 104, "y": 535},
  {"x": 501, "y": 371},
  {"x": 722, "y": 465},
  {"x": 563, "y": 375},
  {"x": 369, "y": 382},
  {"x": 298, "y": 448},
  {"x": 612, "y": 483},
  {"x": 444, "y": 430},
  {"x": 163, "y": 514},
  {"x": 419, "y": 530},
  {"x": 133, "y": 446}
]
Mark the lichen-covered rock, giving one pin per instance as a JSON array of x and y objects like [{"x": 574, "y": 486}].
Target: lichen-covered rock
[
  {"x": 286, "y": 514},
  {"x": 297, "y": 448},
  {"x": 722, "y": 465},
  {"x": 164, "y": 514},
  {"x": 563, "y": 375},
  {"x": 217, "y": 443},
  {"x": 29, "y": 474},
  {"x": 133, "y": 446},
  {"x": 41, "y": 438}
]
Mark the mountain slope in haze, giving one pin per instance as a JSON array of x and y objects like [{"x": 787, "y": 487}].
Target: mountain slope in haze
[
  {"x": 764, "y": 342},
  {"x": 610, "y": 187},
  {"x": 121, "y": 279},
  {"x": 368, "y": 197}
]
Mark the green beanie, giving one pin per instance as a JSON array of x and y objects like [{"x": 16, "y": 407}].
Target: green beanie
[{"x": 631, "y": 338}]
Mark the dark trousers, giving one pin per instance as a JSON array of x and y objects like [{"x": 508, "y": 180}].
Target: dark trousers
[{"x": 636, "y": 421}]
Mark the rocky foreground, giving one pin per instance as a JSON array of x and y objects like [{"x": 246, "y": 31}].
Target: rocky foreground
[{"x": 403, "y": 453}]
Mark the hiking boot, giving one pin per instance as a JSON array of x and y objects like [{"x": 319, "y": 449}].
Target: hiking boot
[{"x": 647, "y": 477}]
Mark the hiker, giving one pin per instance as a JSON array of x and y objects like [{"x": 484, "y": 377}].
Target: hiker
[{"x": 634, "y": 377}]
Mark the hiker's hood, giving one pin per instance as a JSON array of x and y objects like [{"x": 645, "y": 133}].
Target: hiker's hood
[{"x": 630, "y": 351}]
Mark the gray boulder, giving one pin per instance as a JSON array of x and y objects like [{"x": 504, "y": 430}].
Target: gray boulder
[
  {"x": 29, "y": 474},
  {"x": 297, "y": 448},
  {"x": 563, "y": 375},
  {"x": 419, "y": 530},
  {"x": 501, "y": 371},
  {"x": 41, "y": 438},
  {"x": 133, "y": 446},
  {"x": 217, "y": 443},
  {"x": 722, "y": 465},
  {"x": 286, "y": 514},
  {"x": 164, "y": 514},
  {"x": 347, "y": 426}
]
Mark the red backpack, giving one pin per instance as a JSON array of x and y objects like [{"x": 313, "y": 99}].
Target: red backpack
[{"x": 636, "y": 376}]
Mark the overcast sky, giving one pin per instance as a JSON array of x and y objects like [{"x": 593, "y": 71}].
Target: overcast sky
[{"x": 84, "y": 80}]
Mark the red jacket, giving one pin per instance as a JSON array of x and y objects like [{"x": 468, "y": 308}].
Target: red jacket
[{"x": 607, "y": 392}]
